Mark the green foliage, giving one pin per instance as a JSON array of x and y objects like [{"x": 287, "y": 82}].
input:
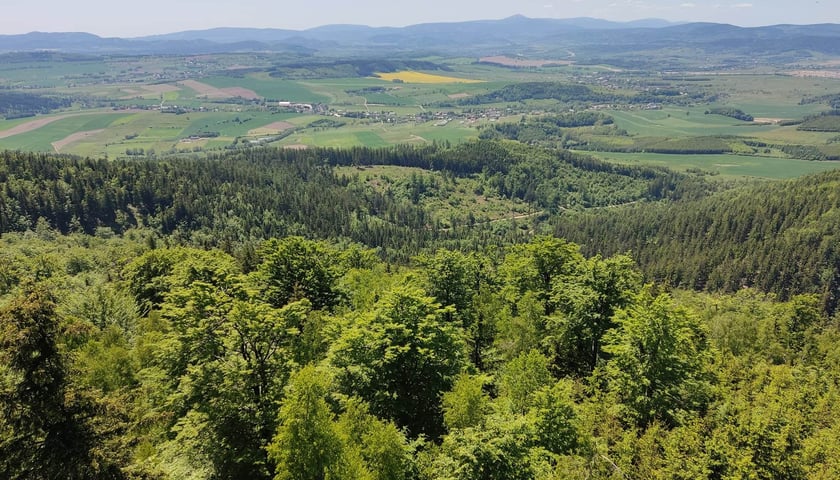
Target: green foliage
[
  {"x": 153, "y": 275},
  {"x": 538, "y": 91},
  {"x": 239, "y": 198},
  {"x": 586, "y": 304},
  {"x": 383, "y": 449},
  {"x": 306, "y": 446},
  {"x": 583, "y": 373},
  {"x": 659, "y": 361},
  {"x": 730, "y": 112},
  {"x": 521, "y": 378},
  {"x": 537, "y": 266},
  {"x": 555, "y": 427},
  {"x": 459, "y": 281},
  {"x": 467, "y": 403},
  {"x": 400, "y": 359},
  {"x": 21, "y": 105},
  {"x": 804, "y": 152},
  {"x": 495, "y": 452},
  {"x": 523, "y": 331},
  {"x": 778, "y": 237},
  {"x": 546, "y": 130},
  {"x": 826, "y": 122},
  {"x": 295, "y": 268},
  {"x": 104, "y": 306},
  {"x": 44, "y": 431}
]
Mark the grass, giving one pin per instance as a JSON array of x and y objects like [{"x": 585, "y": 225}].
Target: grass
[
  {"x": 725, "y": 165},
  {"x": 40, "y": 140},
  {"x": 679, "y": 122},
  {"x": 231, "y": 126},
  {"x": 146, "y": 130},
  {"x": 693, "y": 122},
  {"x": 7, "y": 124},
  {"x": 377, "y": 135},
  {"x": 271, "y": 88},
  {"x": 370, "y": 139}
]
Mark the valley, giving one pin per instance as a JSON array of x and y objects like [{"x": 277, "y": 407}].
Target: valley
[{"x": 528, "y": 249}]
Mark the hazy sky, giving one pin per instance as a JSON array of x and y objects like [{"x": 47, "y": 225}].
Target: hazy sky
[{"x": 127, "y": 19}]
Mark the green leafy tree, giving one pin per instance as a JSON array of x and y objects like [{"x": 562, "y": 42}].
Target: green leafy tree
[
  {"x": 453, "y": 279},
  {"x": 586, "y": 303},
  {"x": 467, "y": 403},
  {"x": 464, "y": 283},
  {"x": 523, "y": 332},
  {"x": 400, "y": 359},
  {"x": 382, "y": 448},
  {"x": 521, "y": 378},
  {"x": 500, "y": 450},
  {"x": 294, "y": 268},
  {"x": 537, "y": 266},
  {"x": 555, "y": 424},
  {"x": 659, "y": 364},
  {"x": 43, "y": 427},
  {"x": 157, "y": 272},
  {"x": 761, "y": 422},
  {"x": 228, "y": 358},
  {"x": 307, "y": 445}
]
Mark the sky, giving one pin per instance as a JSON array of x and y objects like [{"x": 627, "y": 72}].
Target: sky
[{"x": 120, "y": 18}]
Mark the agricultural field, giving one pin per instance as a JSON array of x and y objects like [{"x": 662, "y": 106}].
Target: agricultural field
[
  {"x": 41, "y": 136},
  {"x": 382, "y": 134},
  {"x": 726, "y": 165},
  {"x": 265, "y": 87},
  {"x": 144, "y": 106},
  {"x": 420, "y": 77}
]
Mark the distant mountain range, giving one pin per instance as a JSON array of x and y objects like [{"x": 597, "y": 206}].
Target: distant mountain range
[{"x": 514, "y": 34}]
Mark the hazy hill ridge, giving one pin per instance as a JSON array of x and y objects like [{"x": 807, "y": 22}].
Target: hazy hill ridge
[{"x": 482, "y": 35}]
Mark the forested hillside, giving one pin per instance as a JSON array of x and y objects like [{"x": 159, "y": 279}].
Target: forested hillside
[
  {"x": 255, "y": 194},
  {"x": 275, "y": 314},
  {"x": 780, "y": 237}
]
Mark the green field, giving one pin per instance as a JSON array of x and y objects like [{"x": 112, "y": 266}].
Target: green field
[
  {"x": 377, "y": 135},
  {"x": 40, "y": 140},
  {"x": 271, "y": 88},
  {"x": 725, "y": 165},
  {"x": 231, "y": 126}
]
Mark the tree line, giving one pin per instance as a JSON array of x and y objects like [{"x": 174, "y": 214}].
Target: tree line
[
  {"x": 20, "y": 105},
  {"x": 235, "y": 197}
]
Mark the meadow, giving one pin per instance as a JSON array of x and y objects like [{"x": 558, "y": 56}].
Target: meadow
[{"x": 728, "y": 166}]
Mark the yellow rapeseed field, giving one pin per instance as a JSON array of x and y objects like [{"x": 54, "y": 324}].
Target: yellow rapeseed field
[{"x": 418, "y": 77}]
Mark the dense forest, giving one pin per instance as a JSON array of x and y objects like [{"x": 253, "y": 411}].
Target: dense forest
[
  {"x": 263, "y": 313},
  {"x": 125, "y": 359},
  {"x": 260, "y": 193},
  {"x": 780, "y": 237}
]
